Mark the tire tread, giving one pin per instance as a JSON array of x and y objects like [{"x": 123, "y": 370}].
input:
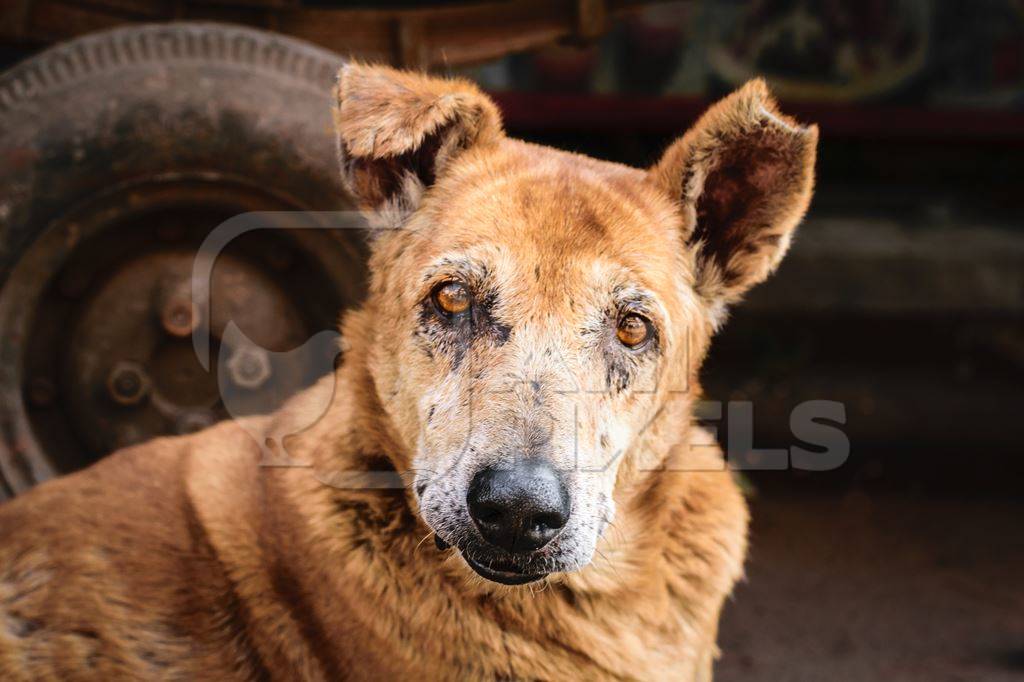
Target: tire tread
[{"x": 144, "y": 44}]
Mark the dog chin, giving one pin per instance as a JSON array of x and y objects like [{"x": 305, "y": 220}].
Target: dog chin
[{"x": 505, "y": 575}]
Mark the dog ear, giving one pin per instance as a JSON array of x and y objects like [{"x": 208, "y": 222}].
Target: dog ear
[
  {"x": 743, "y": 177},
  {"x": 399, "y": 131}
]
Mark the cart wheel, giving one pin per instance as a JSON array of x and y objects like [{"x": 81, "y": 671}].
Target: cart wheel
[{"x": 121, "y": 151}]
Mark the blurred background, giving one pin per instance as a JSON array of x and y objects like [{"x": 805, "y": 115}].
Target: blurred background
[{"x": 126, "y": 135}]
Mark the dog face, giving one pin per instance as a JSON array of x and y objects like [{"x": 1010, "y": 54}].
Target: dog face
[{"x": 534, "y": 312}]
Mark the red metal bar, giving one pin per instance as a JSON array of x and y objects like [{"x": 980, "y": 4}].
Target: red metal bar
[{"x": 670, "y": 114}]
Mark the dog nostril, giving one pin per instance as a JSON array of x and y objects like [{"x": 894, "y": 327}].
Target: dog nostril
[
  {"x": 545, "y": 522},
  {"x": 487, "y": 513}
]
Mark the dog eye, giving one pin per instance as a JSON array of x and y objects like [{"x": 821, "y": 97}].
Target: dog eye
[
  {"x": 633, "y": 330},
  {"x": 452, "y": 298}
]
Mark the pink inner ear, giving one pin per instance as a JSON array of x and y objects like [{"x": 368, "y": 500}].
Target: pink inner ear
[{"x": 735, "y": 205}]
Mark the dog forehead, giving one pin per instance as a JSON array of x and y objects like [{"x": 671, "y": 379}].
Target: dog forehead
[{"x": 554, "y": 208}]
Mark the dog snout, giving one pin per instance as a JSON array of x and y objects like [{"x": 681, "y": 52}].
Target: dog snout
[{"x": 519, "y": 509}]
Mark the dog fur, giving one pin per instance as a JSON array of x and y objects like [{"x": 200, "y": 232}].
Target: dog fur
[{"x": 184, "y": 558}]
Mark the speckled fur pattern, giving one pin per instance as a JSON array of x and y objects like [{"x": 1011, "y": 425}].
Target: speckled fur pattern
[{"x": 183, "y": 558}]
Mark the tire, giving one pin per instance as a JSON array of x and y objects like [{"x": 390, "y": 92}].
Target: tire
[{"x": 201, "y": 117}]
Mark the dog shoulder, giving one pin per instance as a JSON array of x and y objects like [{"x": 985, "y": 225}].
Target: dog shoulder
[
  {"x": 102, "y": 572},
  {"x": 65, "y": 550}
]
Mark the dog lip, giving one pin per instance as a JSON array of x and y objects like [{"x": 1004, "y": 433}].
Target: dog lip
[{"x": 503, "y": 577}]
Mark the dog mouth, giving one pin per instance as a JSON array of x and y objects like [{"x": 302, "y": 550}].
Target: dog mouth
[
  {"x": 506, "y": 575},
  {"x": 498, "y": 572}
]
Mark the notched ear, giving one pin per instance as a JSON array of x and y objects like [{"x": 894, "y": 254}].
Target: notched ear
[
  {"x": 743, "y": 176},
  {"x": 398, "y": 131}
]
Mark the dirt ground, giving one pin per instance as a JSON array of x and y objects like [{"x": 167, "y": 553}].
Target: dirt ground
[{"x": 855, "y": 587}]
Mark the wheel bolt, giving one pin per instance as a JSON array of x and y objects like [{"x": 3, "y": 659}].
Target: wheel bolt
[
  {"x": 179, "y": 317},
  {"x": 127, "y": 383},
  {"x": 249, "y": 367}
]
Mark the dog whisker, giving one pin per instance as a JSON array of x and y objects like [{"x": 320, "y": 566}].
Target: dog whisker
[
  {"x": 420, "y": 543},
  {"x": 609, "y": 562}
]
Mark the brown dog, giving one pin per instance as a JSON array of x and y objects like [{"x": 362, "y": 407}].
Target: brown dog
[{"x": 527, "y": 354}]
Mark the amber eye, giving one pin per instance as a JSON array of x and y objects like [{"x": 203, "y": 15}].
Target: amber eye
[
  {"x": 633, "y": 330},
  {"x": 452, "y": 298}
]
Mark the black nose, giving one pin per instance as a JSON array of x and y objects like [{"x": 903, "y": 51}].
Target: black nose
[{"x": 519, "y": 509}]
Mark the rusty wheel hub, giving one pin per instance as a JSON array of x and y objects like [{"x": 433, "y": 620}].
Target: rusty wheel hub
[{"x": 101, "y": 317}]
